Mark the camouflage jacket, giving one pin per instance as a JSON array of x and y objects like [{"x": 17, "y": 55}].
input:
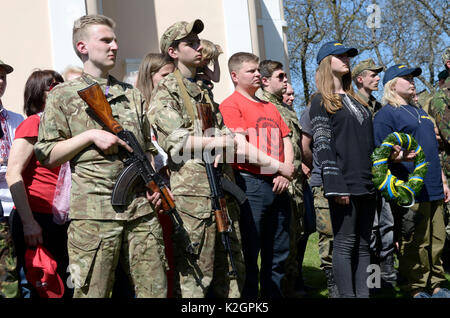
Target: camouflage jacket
[
  {"x": 170, "y": 118},
  {"x": 94, "y": 174},
  {"x": 374, "y": 105},
  {"x": 440, "y": 110},
  {"x": 290, "y": 118}
]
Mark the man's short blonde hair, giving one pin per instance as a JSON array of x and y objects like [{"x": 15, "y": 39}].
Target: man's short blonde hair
[
  {"x": 237, "y": 59},
  {"x": 80, "y": 26}
]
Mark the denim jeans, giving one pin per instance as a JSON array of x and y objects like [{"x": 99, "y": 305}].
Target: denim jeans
[
  {"x": 382, "y": 240},
  {"x": 352, "y": 224},
  {"x": 264, "y": 224}
]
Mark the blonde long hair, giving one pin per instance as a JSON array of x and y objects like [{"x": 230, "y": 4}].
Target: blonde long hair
[
  {"x": 391, "y": 97},
  {"x": 325, "y": 86},
  {"x": 150, "y": 64}
]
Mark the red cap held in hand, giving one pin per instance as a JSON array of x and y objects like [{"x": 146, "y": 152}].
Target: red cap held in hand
[{"x": 41, "y": 273}]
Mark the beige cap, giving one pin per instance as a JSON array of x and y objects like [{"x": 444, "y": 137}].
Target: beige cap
[{"x": 368, "y": 64}]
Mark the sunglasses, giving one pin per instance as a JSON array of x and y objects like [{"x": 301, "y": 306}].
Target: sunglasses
[
  {"x": 281, "y": 76},
  {"x": 52, "y": 86}
]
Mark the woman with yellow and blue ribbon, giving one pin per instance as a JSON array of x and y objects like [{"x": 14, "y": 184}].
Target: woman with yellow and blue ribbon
[
  {"x": 396, "y": 190},
  {"x": 420, "y": 227}
]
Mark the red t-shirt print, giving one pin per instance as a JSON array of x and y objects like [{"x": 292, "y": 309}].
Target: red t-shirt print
[{"x": 269, "y": 139}]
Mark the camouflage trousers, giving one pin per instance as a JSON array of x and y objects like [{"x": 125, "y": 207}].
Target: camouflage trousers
[
  {"x": 9, "y": 283},
  {"x": 323, "y": 224},
  {"x": 204, "y": 268},
  {"x": 296, "y": 230},
  {"x": 96, "y": 246}
]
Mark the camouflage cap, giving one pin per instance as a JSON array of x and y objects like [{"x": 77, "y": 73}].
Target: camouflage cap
[
  {"x": 446, "y": 55},
  {"x": 368, "y": 64},
  {"x": 6, "y": 67},
  {"x": 178, "y": 31}
]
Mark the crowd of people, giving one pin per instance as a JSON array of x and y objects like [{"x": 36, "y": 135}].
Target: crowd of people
[{"x": 62, "y": 235}]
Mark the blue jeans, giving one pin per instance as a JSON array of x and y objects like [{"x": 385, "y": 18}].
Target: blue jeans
[{"x": 264, "y": 224}]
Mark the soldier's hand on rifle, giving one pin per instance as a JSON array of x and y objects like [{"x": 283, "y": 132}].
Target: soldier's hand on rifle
[
  {"x": 155, "y": 200},
  {"x": 280, "y": 184},
  {"x": 108, "y": 142}
]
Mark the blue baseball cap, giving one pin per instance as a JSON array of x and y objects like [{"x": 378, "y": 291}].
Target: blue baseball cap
[
  {"x": 400, "y": 70},
  {"x": 335, "y": 48}
]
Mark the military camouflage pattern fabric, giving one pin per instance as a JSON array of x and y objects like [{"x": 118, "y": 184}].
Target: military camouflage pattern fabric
[
  {"x": 178, "y": 31},
  {"x": 324, "y": 227},
  {"x": 9, "y": 284},
  {"x": 170, "y": 118},
  {"x": 206, "y": 264},
  {"x": 94, "y": 174},
  {"x": 290, "y": 118},
  {"x": 96, "y": 247},
  {"x": 189, "y": 184},
  {"x": 368, "y": 64},
  {"x": 373, "y": 104},
  {"x": 446, "y": 55},
  {"x": 440, "y": 110}
]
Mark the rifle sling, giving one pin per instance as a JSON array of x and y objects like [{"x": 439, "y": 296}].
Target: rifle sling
[{"x": 186, "y": 99}]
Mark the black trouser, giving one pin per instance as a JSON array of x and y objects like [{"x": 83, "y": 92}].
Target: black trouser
[{"x": 352, "y": 225}]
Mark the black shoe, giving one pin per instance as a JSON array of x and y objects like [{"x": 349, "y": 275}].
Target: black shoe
[{"x": 333, "y": 291}]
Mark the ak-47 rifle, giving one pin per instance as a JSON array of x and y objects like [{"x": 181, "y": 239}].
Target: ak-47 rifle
[
  {"x": 218, "y": 184},
  {"x": 137, "y": 165}
]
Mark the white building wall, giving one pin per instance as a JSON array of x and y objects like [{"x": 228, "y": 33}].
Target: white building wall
[
  {"x": 272, "y": 22},
  {"x": 62, "y": 14},
  {"x": 237, "y": 26}
]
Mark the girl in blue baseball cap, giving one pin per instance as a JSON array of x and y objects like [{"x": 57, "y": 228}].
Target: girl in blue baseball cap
[
  {"x": 422, "y": 242},
  {"x": 343, "y": 139}
]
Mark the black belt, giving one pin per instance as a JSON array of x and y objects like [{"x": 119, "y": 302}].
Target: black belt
[{"x": 267, "y": 178}]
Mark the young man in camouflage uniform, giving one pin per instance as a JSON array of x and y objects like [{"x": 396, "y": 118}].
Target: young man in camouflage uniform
[
  {"x": 274, "y": 85},
  {"x": 366, "y": 77},
  {"x": 9, "y": 285},
  {"x": 100, "y": 235},
  {"x": 203, "y": 265},
  {"x": 440, "y": 110}
]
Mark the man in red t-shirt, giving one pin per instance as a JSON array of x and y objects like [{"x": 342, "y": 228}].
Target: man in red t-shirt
[{"x": 263, "y": 169}]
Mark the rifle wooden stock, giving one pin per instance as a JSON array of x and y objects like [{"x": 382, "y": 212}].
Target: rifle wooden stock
[
  {"x": 218, "y": 201},
  {"x": 94, "y": 97},
  {"x": 222, "y": 219},
  {"x": 96, "y": 100}
]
